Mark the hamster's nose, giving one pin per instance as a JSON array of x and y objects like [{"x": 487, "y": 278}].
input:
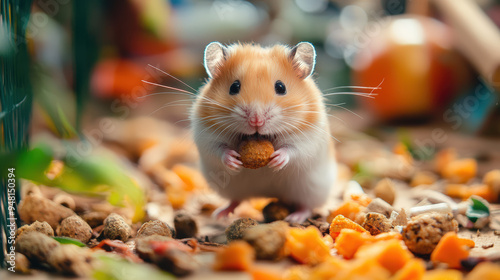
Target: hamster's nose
[{"x": 256, "y": 121}]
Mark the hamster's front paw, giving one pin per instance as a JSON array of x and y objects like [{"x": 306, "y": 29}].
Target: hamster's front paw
[
  {"x": 279, "y": 159},
  {"x": 231, "y": 161}
]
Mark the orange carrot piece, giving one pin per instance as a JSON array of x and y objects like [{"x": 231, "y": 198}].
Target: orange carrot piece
[
  {"x": 238, "y": 255},
  {"x": 414, "y": 269},
  {"x": 451, "y": 250},
  {"x": 389, "y": 254},
  {"x": 340, "y": 222},
  {"x": 306, "y": 245}
]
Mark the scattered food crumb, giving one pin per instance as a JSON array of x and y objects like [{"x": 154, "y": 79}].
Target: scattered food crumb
[{"x": 487, "y": 246}]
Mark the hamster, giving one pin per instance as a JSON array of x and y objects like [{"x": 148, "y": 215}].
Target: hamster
[{"x": 264, "y": 92}]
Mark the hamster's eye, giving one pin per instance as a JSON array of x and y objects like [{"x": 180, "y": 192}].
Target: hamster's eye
[
  {"x": 235, "y": 88},
  {"x": 280, "y": 88}
]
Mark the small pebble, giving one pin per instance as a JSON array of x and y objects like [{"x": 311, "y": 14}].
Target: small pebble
[
  {"x": 94, "y": 219},
  {"x": 115, "y": 227},
  {"x": 267, "y": 239},
  {"x": 75, "y": 227},
  {"x": 71, "y": 260},
  {"x": 65, "y": 200},
  {"x": 38, "y": 208},
  {"x": 177, "y": 262},
  {"x": 380, "y": 206},
  {"x": 36, "y": 246},
  {"x": 42, "y": 227},
  {"x": 377, "y": 223},
  {"x": 276, "y": 211},
  {"x": 237, "y": 228},
  {"x": 143, "y": 246},
  {"x": 399, "y": 219},
  {"x": 185, "y": 225},
  {"x": 385, "y": 190},
  {"x": 155, "y": 227},
  {"x": 22, "y": 264}
]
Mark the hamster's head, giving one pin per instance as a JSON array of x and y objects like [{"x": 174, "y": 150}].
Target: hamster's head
[{"x": 256, "y": 90}]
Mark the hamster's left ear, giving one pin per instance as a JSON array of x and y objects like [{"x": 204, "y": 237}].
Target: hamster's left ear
[
  {"x": 215, "y": 55},
  {"x": 303, "y": 57}
]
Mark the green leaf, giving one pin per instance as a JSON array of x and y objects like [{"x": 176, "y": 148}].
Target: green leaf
[
  {"x": 88, "y": 175},
  {"x": 474, "y": 215},
  {"x": 32, "y": 164},
  {"x": 111, "y": 268},
  {"x": 67, "y": 240},
  {"x": 479, "y": 205},
  {"x": 477, "y": 210}
]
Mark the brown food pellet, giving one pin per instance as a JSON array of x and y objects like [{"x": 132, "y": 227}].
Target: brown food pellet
[
  {"x": 22, "y": 264},
  {"x": 238, "y": 227},
  {"x": 185, "y": 225},
  {"x": 255, "y": 153},
  {"x": 94, "y": 219},
  {"x": 276, "y": 211},
  {"x": 36, "y": 246},
  {"x": 423, "y": 232},
  {"x": 38, "y": 208},
  {"x": 155, "y": 227},
  {"x": 144, "y": 248},
  {"x": 177, "y": 262},
  {"x": 75, "y": 227},
  {"x": 376, "y": 223},
  {"x": 267, "y": 239},
  {"x": 42, "y": 227},
  {"x": 71, "y": 260},
  {"x": 115, "y": 227}
]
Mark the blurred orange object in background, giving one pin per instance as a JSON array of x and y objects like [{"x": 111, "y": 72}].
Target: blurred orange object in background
[
  {"x": 117, "y": 77},
  {"x": 413, "y": 56}
]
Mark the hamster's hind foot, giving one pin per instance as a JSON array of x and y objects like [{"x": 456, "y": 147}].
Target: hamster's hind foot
[
  {"x": 224, "y": 211},
  {"x": 299, "y": 216}
]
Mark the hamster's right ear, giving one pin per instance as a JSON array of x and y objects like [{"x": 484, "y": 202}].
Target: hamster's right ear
[
  {"x": 215, "y": 55},
  {"x": 303, "y": 57}
]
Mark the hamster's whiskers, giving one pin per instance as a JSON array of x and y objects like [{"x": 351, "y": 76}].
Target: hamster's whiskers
[
  {"x": 313, "y": 126},
  {"x": 362, "y": 94},
  {"x": 343, "y": 108},
  {"x": 329, "y": 115},
  {"x": 188, "y": 92},
  {"x": 171, "y": 76},
  {"x": 353, "y": 87},
  {"x": 167, "y": 87}
]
